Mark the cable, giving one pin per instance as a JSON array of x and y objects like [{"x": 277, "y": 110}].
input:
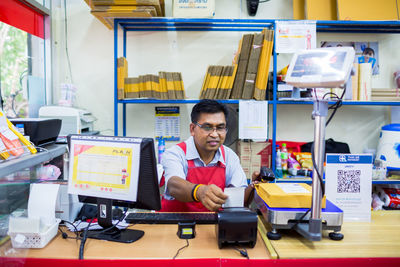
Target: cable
[
  {"x": 65, "y": 235},
  {"x": 115, "y": 225},
  {"x": 66, "y": 39},
  {"x": 73, "y": 225},
  {"x": 316, "y": 170},
  {"x": 243, "y": 252},
  {"x": 179, "y": 250},
  {"x": 301, "y": 218},
  {"x": 336, "y": 105},
  {"x": 84, "y": 238},
  {"x": 76, "y": 229}
]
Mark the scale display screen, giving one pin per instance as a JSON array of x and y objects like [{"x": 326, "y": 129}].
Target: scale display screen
[{"x": 321, "y": 67}]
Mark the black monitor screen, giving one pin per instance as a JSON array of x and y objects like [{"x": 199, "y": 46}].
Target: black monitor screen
[{"x": 113, "y": 171}]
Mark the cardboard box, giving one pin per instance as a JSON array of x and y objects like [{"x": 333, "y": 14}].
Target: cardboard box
[
  {"x": 253, "y": 155},
  {"x": 286, "y": 195},
  {"x": 367, "y": 10},
  {"x": 243, "y": 148},
  {"x": 193, "y": 9},
  {"x": 321, "y": 10},
  {"x": 261, "y": 153}
]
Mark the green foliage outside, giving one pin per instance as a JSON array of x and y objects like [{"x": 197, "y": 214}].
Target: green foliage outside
[{"x": 13, "y": 69}]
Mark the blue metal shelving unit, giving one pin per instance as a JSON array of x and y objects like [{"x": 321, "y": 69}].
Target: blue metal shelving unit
[
  {"x": 383, "y": 27},
  {"x": 173, "y": 24},
  {"x": 180, "y": 24}
]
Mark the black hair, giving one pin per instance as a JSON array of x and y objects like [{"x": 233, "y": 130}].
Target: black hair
[
  {"x": 368, "y": 50},
  {"x": 207, "y": 106}
]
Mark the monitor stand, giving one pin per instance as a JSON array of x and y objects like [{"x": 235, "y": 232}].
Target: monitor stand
[{"x": 109, "y": 232}]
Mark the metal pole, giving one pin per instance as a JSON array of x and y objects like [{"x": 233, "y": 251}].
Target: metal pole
[
  {"x": 319, "y": 114},
  {"x": 319, "y": 153}
]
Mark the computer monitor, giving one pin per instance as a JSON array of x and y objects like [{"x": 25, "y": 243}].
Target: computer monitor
[{"x": 114, "y": 171}]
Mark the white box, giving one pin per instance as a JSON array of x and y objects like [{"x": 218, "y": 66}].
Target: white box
[
  {"x": 34, "y": 240},
  {"x": 193, "y": 8}
]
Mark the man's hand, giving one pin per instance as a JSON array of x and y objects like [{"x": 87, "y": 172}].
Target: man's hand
[
  {"x": 264, "y": 175},
  {"x": 255, "y": 178},
  {"x": 211, "y": 196}
]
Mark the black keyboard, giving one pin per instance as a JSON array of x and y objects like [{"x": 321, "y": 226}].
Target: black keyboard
[{"x": 172, "y": 217}]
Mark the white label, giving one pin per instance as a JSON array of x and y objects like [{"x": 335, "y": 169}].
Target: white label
[
  {"x": 293, "y": 188},
  {"x": 8, "y": 133}
]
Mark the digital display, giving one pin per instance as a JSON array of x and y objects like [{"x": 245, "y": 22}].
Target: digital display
[{"x": 319, "y": 63}]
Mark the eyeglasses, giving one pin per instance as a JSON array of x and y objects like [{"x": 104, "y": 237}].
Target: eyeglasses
[{"x": 221, "y": 129}]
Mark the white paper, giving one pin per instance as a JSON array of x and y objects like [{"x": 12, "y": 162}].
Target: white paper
[
  {"x": 42, "y": 202},
  {"x": 253, "y": 119},
  {"x": 235, "y": 197},
  {"x": 292, "y": 36},
  {"x": 365, "y": 79},
  {"x": 81, "y": 225},
  {"x": 168, "y": 123},
  {"x": 348, "y": 184},
  {"x": 293, "y": 188}
]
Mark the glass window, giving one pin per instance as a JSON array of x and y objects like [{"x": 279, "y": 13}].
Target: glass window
[{"x": 22, "y": 83}]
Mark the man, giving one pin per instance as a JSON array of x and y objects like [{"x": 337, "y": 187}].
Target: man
[{"x": 198, "y": 170}]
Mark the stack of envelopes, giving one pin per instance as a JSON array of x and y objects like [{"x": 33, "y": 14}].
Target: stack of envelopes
[
  {"x": 247, "y": 78},
  {"x": 166, "y": 85}
]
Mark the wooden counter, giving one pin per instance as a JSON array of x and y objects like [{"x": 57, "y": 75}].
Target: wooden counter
[
  {"x": 364, "y": 244},
  {"x": 159, "y": 241},
  {"x": 379, "y": 238}
]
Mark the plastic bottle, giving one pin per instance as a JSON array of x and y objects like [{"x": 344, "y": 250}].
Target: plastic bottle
[
  {"x": 161, "y": 148},
  {"x": 284, "y": 158},
  {"x": 278, "y": 163}
]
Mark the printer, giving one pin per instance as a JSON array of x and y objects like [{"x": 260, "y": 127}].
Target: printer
[
  {"x": 237, "y": 226},
  {"x": 74, "y": 120},
  {"x": 41, "y": 131}
]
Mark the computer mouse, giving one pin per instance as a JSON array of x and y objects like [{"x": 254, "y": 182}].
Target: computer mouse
[{"x": 117, "y": 214}]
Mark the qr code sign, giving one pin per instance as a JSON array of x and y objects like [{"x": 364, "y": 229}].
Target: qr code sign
[{"x": 348, "y": 181}]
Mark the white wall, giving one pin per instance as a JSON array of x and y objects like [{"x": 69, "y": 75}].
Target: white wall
[{"x": 90, "y": 46}]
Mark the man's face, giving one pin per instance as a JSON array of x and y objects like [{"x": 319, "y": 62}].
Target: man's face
[{"x": 208, "y": 140}]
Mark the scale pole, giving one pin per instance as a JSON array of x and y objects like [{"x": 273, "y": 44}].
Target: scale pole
[{"x": 319, "y": 114}]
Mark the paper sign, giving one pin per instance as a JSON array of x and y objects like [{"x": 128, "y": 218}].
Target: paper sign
[
  {"x": 253, "y": 119},
  {"x": 348, "y": 184},
  {"x": 235, "y": 197},
  {"x": 292, "y": 36},
  {"x": 168, "y": 123}
]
